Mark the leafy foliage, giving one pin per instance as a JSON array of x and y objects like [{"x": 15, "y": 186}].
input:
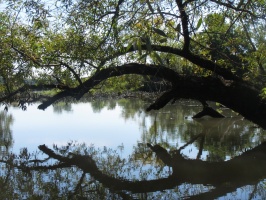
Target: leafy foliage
[{"x": 66, "y": 42}]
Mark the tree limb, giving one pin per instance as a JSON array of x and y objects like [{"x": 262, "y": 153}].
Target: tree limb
[
  {"x": 237, "y": 96},
  {"x": 73, "y": 71},
  {"x": 131, "y": 68},
  {"x": 234, "y": 8},
  {"x": 184, "y": 21},
  {"x": 26, "y": 56},
  {"x": 193, "y": 58}
]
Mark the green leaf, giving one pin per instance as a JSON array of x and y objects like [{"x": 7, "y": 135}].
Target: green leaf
[
  {"x": 143, "y": 56},
  {"x": 139, "y": 47},
  {"x": 129, "y": 46},
  {"x": 158, "y": 58},
  {"x": 199, "y": 23},
  {"x": 178, "y": 28},
  {"x": 160, "y": 32},
  {"x": 148, "y": 44}
]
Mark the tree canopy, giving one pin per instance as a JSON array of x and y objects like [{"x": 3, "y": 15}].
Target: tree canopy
[{"x": 209, "y": 50}]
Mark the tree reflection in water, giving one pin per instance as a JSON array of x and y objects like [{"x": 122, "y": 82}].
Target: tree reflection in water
[
  {"x": 76, "y": 171},
  {"x": 6, "y": 139},
  {"x": 156, "y": 169}
]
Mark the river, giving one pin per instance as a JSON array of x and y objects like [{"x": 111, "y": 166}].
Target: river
[{"x": 121, "y": 129}]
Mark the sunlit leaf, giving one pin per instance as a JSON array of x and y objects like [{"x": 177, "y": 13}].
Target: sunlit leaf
[
  {"x": 139, "y": 47},
  {"x": 199, "y": 23}
]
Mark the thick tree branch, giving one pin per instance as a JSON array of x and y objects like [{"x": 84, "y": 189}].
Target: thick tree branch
[
  {"x": 237, "y": 96},
  {"x": 208, "y": 111},
  {"x": 132, "y": 68},
  {"x": 184, "y": 21},
  {"x": 162, "y": 100},
  {"x": 195, "y": 59},
  {"x": 199, "y": 61}
]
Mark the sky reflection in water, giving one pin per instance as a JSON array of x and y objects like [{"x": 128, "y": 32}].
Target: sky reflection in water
[
  {"x": 106, "y": 128},
  {"x": 111, "y": 123}
]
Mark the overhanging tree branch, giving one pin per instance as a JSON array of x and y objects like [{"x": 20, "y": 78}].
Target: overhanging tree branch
[
  {"x": 248, "y": 103},
  {"x": 193, "y": 58},
  {"x": 131, "y": 68},
  {"x": 237, "y": 96}
]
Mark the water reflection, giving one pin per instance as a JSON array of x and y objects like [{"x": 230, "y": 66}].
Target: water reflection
[
  {"x": 6, "y": 138},
  {"x": 228, "y": 137},
  {"x": 175, "y": 157},
  {"x": 60, "y": 107}
]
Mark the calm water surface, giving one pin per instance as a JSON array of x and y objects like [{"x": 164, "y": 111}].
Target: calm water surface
[{"x": 125, "y": 127}]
